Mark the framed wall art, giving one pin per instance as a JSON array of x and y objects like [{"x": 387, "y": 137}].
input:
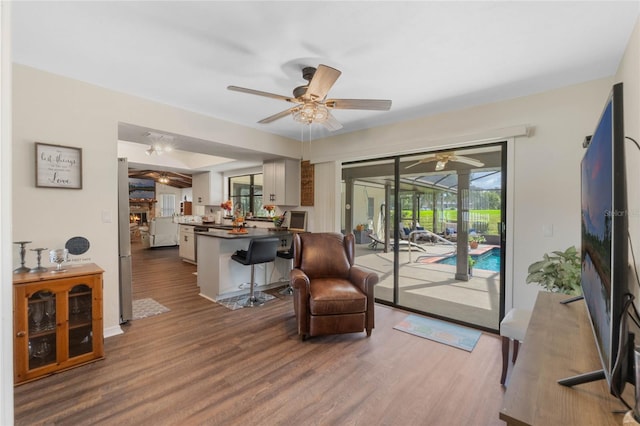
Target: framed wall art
[{"x": 58, "y": 166}]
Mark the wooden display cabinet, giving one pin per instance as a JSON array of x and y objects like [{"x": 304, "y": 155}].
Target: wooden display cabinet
[{"x": 57, "y": 320}]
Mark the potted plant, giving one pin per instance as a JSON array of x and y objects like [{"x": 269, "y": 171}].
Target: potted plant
[
  {"x": 474, "y": 240},
  {"x": 558, "y": 272}
]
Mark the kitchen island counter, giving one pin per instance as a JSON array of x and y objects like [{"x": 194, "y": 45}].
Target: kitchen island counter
[{"x": 219, "y": 276}]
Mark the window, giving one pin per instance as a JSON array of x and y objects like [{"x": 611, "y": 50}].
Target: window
[
  {"x": 246, "y": 192},
  {"x": 167, "y": 204}
]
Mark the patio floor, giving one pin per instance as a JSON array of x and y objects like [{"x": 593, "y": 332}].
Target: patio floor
[{"x": 432, "y": 288}]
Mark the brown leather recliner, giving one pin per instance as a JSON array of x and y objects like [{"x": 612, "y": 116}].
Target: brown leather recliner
[{"x": 330, "y": 294}]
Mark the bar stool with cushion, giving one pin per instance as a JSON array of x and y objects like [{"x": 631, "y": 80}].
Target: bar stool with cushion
[
  {"x": 288, "y": 254},
  {"x": 512, "y": 327},
  {"x": 260, "y": 250}
]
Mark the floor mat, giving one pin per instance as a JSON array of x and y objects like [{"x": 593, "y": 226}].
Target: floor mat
[
  {"x": 144, "y": 308},
  {"x": 232, "y": 302},
  {"x": 440, "y": 331}
]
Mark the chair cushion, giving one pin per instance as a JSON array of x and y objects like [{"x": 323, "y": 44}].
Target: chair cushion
[
  {"x": 515, "y": 323},
  {"x": 330, "y": 296}
]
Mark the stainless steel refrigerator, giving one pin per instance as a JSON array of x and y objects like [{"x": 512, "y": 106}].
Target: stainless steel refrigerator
[{"x": 124, "y": 242}]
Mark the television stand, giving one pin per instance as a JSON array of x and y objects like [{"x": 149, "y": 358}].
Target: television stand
[
  {"x": 559, "y": 343},
  {"x": 571, "y": 300},
  {"x": 583, "y": 378}
]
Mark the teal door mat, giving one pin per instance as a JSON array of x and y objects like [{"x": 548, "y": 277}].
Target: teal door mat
[{"x": 440, "y": 331}]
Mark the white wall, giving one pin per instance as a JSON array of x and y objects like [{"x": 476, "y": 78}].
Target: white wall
[
  {"x": 6, "y": 238},
  {"x": 52, "y": 109},
  {"x": 545, "y": 165},
  {"x": 629, "y": 73}
]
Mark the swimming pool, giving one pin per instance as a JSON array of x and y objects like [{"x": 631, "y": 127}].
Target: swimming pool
[{"x": 489, "y": 260}]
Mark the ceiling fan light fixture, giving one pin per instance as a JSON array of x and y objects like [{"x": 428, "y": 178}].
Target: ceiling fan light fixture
[
  {"x": 311, "y": 112},
  {"x": 440, "y": 165},
  {"x": 159, "y": 143},
  {"x": 163, "y": 179}
]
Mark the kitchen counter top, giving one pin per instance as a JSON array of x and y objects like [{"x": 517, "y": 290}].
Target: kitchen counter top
[{"x": 251, "y": 233}]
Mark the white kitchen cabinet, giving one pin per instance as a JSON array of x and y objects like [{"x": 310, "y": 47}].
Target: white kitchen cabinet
[
  {"x": 207, "y": 188},
  {"x": 187, "y": 250},
  {"x": 201, "y": 189},
  {"x": 281, "y": 182}
]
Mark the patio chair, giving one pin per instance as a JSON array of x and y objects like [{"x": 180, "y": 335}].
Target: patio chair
[{"x": 403, "y": 243}]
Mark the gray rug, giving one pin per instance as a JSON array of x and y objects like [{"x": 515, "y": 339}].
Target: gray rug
[
  {"x": 144, "y": 308},
  {"x": 232, "y": 302}
]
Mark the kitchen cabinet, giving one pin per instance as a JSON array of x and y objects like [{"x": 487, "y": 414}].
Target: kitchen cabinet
[
  {"x": 281, "y": 182},
  {"x": 187, "y": 249},
  {"x": 201, "y": 189},
  {"x": 57, "y": 320},
  {"x": 207, "y": 189}
]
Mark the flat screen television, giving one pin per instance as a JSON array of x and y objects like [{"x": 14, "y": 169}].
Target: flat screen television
[
  {"x": 298, "y": 221},
  {"x": 605, "y": 246}
]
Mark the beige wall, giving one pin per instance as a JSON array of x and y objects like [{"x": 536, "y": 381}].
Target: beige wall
[
  {"x": 544, "y": 166},
  {"x": 52, "y": 109},
  {"x": 6, "y": 238},
  {"x": 544, "y": 176},
  {"x": 629, "y": 73}
]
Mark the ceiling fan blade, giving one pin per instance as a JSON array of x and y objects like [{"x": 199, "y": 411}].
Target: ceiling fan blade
[
  {"x": 331, "y": 123},
  {"x": 369, "y": 104},
  {"x": 424, "y": 160},
  {"x": 261, "y": 93},
  {"x": 279, "y": 115},
  {"x": 467, "y": 160},
  {"x": 323, "y": 79}
]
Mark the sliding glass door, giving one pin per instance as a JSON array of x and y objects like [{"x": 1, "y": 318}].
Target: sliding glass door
[{"x": 431, "y": 225}]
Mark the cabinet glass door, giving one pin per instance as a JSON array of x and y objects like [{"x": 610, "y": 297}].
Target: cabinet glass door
[
  {"x": 80, "y": 324},
  {"x": 42, "y": 329}
]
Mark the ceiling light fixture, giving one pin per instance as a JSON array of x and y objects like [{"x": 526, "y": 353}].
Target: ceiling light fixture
[
  {"x": 159, "y": 143},
  {"x": 163, "y": 179},
  {"x": 311, "y": 112},
  {"x": 440, "y": 165}
]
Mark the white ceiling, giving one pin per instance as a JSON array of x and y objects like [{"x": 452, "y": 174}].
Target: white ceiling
[{"x": 427, "y": 57}]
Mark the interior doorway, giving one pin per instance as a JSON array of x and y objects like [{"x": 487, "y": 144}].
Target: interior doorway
[{"x": 437, "y": 239}]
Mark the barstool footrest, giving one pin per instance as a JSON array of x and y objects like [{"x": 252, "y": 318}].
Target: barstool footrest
[{"x": 251, "y": 301}]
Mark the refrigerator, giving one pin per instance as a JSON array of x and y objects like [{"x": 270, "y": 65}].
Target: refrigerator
[{"x": 124, "y": 243}]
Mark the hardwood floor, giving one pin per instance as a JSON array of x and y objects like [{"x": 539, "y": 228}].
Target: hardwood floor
[{"x": 203, "y": 364}]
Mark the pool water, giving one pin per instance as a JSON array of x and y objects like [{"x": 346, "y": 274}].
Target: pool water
[{"x": 489, "y": 261}]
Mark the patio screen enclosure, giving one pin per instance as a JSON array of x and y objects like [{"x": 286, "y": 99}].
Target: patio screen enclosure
[{"x": 432, "y": 226}]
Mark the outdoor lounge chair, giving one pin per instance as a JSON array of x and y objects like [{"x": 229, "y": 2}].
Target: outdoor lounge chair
[{"x": 403, "y": 243}]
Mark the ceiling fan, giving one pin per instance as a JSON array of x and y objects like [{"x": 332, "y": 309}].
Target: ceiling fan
[
  {"x": 443, "y": 158},
  {"x": 310, "y": 99}
]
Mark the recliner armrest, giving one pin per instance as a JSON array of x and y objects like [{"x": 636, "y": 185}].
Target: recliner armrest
[
  {"x": 299, "y": 280},
  {"x": 363, "y": 280}
]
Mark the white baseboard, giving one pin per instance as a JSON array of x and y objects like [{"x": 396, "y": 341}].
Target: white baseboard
[{"x": 112, "y": 331}]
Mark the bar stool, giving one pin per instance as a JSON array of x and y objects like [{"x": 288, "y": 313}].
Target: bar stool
[
  {"x": 288, "y": 254},
  {"x": 512, "y": 327},
  {"x": 261, "y": 250}
]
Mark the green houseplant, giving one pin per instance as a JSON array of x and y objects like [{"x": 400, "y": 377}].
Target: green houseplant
[{"x": 558, "y": 272}]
